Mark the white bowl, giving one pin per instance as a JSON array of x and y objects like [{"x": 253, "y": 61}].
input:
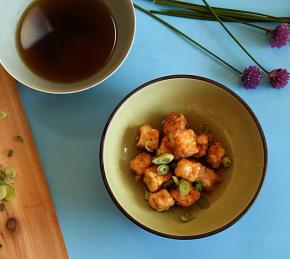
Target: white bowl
[{"x": 10, "y": 12}]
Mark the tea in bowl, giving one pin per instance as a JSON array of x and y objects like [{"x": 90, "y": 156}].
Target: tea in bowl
[{"x": 65, "y": 46}]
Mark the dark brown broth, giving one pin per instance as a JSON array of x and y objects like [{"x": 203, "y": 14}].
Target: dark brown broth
[{"x": 66, "y": 41}]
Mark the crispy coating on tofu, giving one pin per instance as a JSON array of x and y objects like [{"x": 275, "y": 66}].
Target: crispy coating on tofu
[
  {"x": 189, "y": 169},
  {"x": 183, "y": 143},
  {"x": 208, "y": 178},
  {"x": 140, "y": 163},
  {"x": 187, "y": 200},
  {"x": 148, "y": 135},
  {"x": 174, "y": 122},
  {"x": 164, "y": 146},
  {"x": 215, "y": 155},
  {"x": 202, "y": 141},
  {"x": 161, "y": 201},
  {"x": 153, "y": 180}
]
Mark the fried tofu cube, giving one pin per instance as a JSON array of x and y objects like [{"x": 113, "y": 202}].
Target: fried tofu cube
[
  {"x": 215, "y": 155},
  {"x": 208, "y": 178},
  {"x": 187, "y": 200},
  {"x": 164, "y": 146},
  {"x": 140, "y": 163},
  {"x": 202, "y": 141},
  {"x": 153, "y": 180},
  {"x": 161, "y": 201},
  {"x": 174, "y": 122},
  {"x": 189, "y": 170},
  {"x": 148, "y": 136},
  {"x": 183, "y": 143}
]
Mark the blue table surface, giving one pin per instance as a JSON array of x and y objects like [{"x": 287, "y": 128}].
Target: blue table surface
[{"x": 68, "y": 129}]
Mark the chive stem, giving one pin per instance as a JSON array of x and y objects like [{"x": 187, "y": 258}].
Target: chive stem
[
  {"x": 233, "y": 36},
  {"x": 192, "y": 15},
  {"x": 185, "y": 36},
  {"x": 220, "y": 10}
]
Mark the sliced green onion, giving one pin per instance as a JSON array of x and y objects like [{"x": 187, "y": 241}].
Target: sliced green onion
[
  {"x": 203, "y": 202},
  {"x": 169, "y": 184},
  {"x": 146, "y": 195},
  {"x": 188, "y": 216},
  {"x": 203, "y": 129},
  {"x": 10, "y": 195},
  {"x": 3, "y": 191},
  {"x": 163, "y": 169},
  {"x": 3, "y": 181},
  {"x": 19, "y": 139},
  {"x": 183, "y": 187},
  {"x": 11, "y": 173},
  {"x": 10, "y": 152},
  {"x": 3, "y": 115},
  {"x": 2, "y": 207},
  {"x": 198, "y": 187},
  {"x": 175, "y": 179},
  {"x": 147, "y": 143},
  {"x": 163, "y": 159},
  {"x": 227, "y": 162}
]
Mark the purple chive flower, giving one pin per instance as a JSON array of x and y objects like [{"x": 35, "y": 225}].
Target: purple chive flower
[
  {"x": 279, "y": 78},
  {"x": 279, "y": 37},
  {"x": 251, "y": 77}
]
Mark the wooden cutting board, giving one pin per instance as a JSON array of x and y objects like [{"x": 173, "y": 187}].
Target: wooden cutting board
[{"x": 28, "y": 225}]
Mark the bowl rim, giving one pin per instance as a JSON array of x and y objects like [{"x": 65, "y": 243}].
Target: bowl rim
[
  {"x": 86, "y": 86},
  {"x": 215, "y": 84}
]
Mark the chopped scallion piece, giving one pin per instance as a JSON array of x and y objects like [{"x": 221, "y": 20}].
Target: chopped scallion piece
[
  {"x": 3, "y": 191},
  {"x": 175, "y": 179},
  {"x": 183, "y": 187},
  {"x": 2, "y": 207},
  {"x": 10, "y": 152},
  {"x": 10, "y": 195},
  {"x": 227, "y": 162},
  {"x": 163, "y": 159},
  {"x": 3, "y": 115},
  {"x": 188, "y": 216},
  {"x": 163, "y": 169},
  {"x": 11, "y": 173},
  {"x": 146, "y": 195},
  {"x": 19, "y": 139}
]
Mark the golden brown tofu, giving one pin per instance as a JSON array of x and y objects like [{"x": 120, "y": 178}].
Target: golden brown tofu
[
  {"x": 202, "y": 141},
  {"x": 148, "y": 136},
  {"x": 183, "y": 143},
  {"x": 215, "y": 155},
  {"x": 189, "y": 169},
  {"x": 140, "y": 163},
  {"x": 153, "y": 180},
  {"x": 161, "y": 201},
  {"x": 187, "y": 200},
  {"x": 174, "y": 122},
  {"x": 208, "y": 178},
  {"x": 164, "y": 146}
]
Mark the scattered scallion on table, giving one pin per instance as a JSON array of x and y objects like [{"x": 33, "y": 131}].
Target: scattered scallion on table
[
  {"x": 3, "y": 115},
  {"x": 2, "y": 206},
  {"x": 18, "y": 138},
  {"x": 10, "y": 152},
  {"x": 245, "y": 15}
]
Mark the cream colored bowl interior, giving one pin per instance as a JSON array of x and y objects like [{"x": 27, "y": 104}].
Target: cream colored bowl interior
[
  {"x": 202, "y": 103},
  {"x": 11, "y": 11}
]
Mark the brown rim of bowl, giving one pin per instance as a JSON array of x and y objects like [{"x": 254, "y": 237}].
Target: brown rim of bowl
[{"x": 229, "y": 224}]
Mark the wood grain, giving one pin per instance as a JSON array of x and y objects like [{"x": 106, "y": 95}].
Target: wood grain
[{"x": 28, "y": 226}]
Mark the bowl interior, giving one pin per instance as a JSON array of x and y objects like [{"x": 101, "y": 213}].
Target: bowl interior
[
  {"x": 201, "y": 102},
  {"x": 11, "y": 11}
]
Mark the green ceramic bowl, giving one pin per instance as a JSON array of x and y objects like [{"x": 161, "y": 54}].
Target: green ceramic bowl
[{"x": 202, "y": 101}]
